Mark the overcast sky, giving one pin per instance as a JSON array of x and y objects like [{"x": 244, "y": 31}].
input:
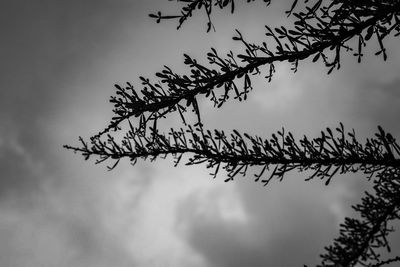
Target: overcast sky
[{"x": 59, "y": 61}]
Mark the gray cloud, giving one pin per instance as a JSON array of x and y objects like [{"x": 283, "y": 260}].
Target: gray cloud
[
  {"x": 44, "y": 237},
  {"x": 286, "y": 225},
  {"x": 53, "y": 210},
  {"x": 51, "y": 46},
  {"x": 58, "y": 211}
]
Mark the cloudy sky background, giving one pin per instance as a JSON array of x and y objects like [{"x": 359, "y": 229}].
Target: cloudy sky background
[{"x": 59, "y": 61}]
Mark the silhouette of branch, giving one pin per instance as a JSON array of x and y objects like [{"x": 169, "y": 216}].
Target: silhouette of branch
[
  {"x": 381, "y": 263},
  {"x": 321, "y": 32},
  {"x": 324, "y": 156},
  {"x": 192, "y": 5},
  {"x": 360, "y": 238},
  {"x": 319, "y": 29}
]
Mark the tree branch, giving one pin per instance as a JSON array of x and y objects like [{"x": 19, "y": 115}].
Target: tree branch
[
  {"x": 324, "y": 156},
  {"x": 155, "y": 101}
]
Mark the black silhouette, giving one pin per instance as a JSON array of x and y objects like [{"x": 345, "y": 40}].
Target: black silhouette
[{"x": 322, "y": 31}]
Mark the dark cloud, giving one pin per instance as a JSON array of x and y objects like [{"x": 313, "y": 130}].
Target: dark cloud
[
  {"x": 52, "y": 210},
  {"x": 54, "y": 48},
  {"x": 50, "y": 44},
  {"x": 287, "y": 225}
]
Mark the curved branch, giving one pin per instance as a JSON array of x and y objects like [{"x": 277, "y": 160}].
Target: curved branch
[
  {"x": 156, "y": 101},
  {"x": 360, "y": 238}
]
